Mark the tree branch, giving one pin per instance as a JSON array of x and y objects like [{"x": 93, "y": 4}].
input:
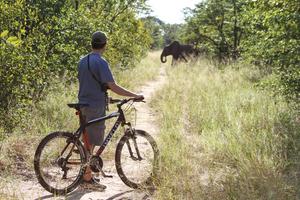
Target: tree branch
[
  {"x": 121, "y": 11},
  {"x": 209, "y": 39}
]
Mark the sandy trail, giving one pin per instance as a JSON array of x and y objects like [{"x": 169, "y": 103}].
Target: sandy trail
[{"x": 116, "y": 189}]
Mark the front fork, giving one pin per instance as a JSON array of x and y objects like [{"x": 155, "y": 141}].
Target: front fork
[{"x": 130, "y": 132}]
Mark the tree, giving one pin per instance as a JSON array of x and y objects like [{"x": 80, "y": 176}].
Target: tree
[
  {"x": 216, "y": 25},
  {"x": 172, "y": 32},
  {"x": 273, "y": 39},
  {"x": 155, "y": 29},
  {"x": 42, "y": 41}
]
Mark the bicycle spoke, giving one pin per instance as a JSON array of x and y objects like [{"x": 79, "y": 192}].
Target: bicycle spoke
[
  {"x": 59, "y": 167},
  {"x": 136, "y": 160}
]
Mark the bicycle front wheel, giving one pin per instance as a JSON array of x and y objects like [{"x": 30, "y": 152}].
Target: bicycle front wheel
[
  {"x": 59, "y": 162},
  {"x": 137, "y": 159}
]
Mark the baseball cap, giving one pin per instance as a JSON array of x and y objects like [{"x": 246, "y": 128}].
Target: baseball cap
[{"x": 99, "y": 37}]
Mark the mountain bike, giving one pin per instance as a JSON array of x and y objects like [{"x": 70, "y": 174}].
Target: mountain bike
[{"x": 61, "y": 160}]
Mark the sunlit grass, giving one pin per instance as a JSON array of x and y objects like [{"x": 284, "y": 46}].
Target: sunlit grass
[{"x": 223, "y": 138}]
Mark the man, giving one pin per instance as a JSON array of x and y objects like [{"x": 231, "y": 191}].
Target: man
[{"x": 94, "y": 75}]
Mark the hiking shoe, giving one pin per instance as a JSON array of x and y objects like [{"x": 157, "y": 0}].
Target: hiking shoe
[{"x": 93, "y": 183}]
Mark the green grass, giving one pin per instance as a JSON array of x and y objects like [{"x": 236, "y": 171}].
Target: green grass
[{"x": 223, "y": 138}]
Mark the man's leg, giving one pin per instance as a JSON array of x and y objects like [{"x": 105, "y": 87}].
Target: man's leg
[
  {"x": 89, "y": 148},
  {"x": 87, "y": 145},
  {"x": 93, "y": 135}
]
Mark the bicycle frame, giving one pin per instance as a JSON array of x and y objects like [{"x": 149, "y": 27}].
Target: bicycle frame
[
  {"x": 120, "y": 121},
  {"x": 62, "y": 163}
]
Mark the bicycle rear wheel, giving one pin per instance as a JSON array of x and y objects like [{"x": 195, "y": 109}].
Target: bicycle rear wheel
[
  {"x": 137, "y": 159},
  {"x": 59, "y": 162}
]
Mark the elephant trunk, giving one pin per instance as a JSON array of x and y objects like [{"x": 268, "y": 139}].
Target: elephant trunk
[{"x": 163, "y": 58}]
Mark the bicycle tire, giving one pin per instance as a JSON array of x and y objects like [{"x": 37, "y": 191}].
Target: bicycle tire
[
  {"x": 38, "y": 163},
  {"x": 120, "y": 148}
]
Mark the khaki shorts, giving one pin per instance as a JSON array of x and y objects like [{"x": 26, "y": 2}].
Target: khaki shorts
[{"x": 95, "y": 131}]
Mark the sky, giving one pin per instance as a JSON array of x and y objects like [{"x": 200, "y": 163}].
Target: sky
[{"x": 170, "y": 11}]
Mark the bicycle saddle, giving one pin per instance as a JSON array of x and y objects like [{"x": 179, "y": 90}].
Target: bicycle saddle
[{"x": 77, "y": 106}]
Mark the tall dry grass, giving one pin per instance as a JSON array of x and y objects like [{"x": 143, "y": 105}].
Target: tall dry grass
[{"x": 222, "y": 137}]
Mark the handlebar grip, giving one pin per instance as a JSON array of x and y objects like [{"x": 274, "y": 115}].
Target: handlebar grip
[
  {"x": 140, "y": 99},
  {"x": 123, "y": 101}
]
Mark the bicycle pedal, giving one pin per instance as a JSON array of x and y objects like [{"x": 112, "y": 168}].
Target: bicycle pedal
[
  {"x": 108, "y": 176},
  {"x": 105, "y": 175}
]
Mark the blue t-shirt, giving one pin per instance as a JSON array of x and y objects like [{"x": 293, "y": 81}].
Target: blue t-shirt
[{"x": 89, "y": 89}]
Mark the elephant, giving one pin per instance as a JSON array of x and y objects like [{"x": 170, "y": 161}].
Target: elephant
[{"x": 178, "y": 51}]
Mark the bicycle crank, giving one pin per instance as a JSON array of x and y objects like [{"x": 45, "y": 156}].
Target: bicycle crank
[{"x": 96, "y": 165}]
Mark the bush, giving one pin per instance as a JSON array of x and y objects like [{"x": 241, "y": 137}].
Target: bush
[{"x": 43, "y": 41}]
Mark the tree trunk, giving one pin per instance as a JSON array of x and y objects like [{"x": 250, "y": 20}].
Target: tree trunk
[{"x": 235, "y": 32}]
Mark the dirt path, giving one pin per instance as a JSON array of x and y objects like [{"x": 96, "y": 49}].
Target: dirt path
[{"x": 116, "y": 189}]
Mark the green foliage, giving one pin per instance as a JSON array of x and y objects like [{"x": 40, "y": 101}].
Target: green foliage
[
  {"x": 42, "y": 41},
  {"x": 273, "y": 39},
  {"x": 161, "y": 33},
  {"x": 214, "y": 25},
  {"x": 172, "y": 32},
  {"x": 154, "y": 27}
]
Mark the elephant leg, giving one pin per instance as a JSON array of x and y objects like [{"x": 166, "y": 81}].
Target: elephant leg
[{"x": 182, "y": 56}]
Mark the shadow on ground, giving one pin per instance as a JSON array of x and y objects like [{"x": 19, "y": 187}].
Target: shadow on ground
[{"x": 96, "y": 195}]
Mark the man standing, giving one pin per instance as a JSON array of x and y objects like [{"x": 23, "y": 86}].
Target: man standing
[{"x": 95, "y": 77}]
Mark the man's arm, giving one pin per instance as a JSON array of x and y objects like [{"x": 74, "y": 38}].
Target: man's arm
[{"x": 122, "y": 91}]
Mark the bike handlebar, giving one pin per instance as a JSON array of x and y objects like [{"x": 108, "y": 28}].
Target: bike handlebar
[{"x": 123, "y": 101}]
